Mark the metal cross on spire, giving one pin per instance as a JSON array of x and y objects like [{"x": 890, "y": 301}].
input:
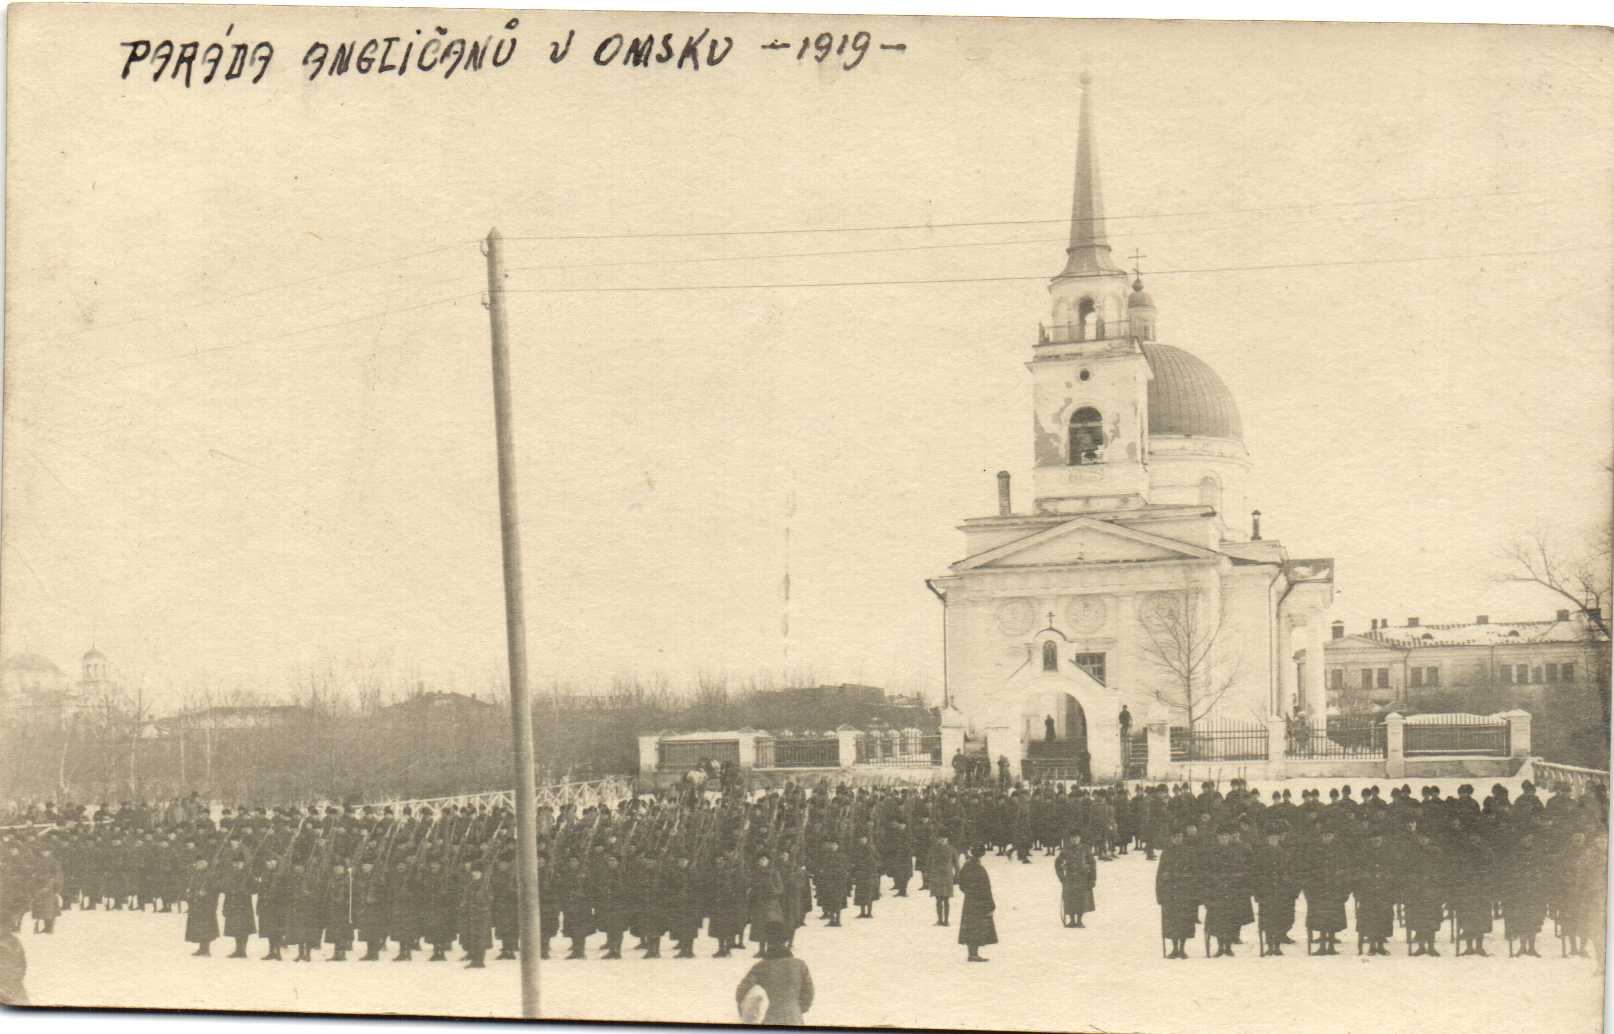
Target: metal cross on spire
[{"x": 1137, "y": 258}]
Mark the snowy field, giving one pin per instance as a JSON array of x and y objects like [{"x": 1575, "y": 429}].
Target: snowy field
[{"x": 895, "y": 970}]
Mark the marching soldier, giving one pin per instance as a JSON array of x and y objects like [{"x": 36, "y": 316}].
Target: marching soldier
[
  {"x": 370, "y": 909},
  {"x": 1275, "y": 886},
  {"x": 941, "y": 870},
  {"x": 865, "y": 877},
  {"x": 476, "y": 918},
  {"x": 338, "y": 916},
  {"x": 899, "y": 857},
  {"x": 240, "y": 922},
  {"x": 272, "y": 905},
  {"x": 1425, "y": 894},
  {"x": 1077, "y": 877},
  {"x": 1225, "y": 889},
  {"x": 1176, "y": 891},
  {"x": 610, "y": 895},
  {"x": 202, "y": 909},
  {"x": 1373, "y": 886},
  {"x": 976, "y": 928},
  {"x": 832, "y": 881}
]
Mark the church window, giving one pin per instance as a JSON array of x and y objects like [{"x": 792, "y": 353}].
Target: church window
[
  {"x": 1417, "y": 678},
  {"x": 1367, "y": 678},
  {"x": 1050, "y": 657},
  {"x": 1431, "y": 676},
  {"x": 1384, "y": 678},
  {"x": 1566, "y": 672},
  {"x": 1535, "y": 675},
  {"x": 1093, "y": 664},
  {"x": 1086, "y": 435},
  {"x": 1336, "y": 679},
  {"x": 1210, "y": 493}
]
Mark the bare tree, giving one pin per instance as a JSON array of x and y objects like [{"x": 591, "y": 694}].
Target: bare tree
[
  {"x": 1579, "y": 576},
  {"x": 1180, "y": 638}
]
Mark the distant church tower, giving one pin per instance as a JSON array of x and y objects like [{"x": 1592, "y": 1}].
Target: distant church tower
[{"x": 95, "y": 678}]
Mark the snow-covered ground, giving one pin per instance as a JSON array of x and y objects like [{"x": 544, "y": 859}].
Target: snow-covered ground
[{"x": 896, "y": 970}]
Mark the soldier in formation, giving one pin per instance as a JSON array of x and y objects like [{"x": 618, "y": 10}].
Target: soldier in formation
[{"x": 742, "y": 868}]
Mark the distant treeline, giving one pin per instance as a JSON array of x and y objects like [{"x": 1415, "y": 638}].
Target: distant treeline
[{"x": 428, "y": 744}]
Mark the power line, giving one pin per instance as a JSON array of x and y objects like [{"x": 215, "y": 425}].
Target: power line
[
  {"x": 197, "y": 353},
  {"x": 1004, "y": 222},
  {"x": 1042, "y": 276},
  {"x": 901, "y": 249},
  {"x": 285, "y": 285}
]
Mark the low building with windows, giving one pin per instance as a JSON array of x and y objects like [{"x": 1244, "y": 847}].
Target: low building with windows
[{"x": 1482, "y": 666}]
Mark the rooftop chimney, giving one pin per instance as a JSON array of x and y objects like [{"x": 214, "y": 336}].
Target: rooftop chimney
[
  {"x": 1563, "y": 615},
  {"x": 1412, "y": 622},
  {"x": 1338, "y": 629},
  {"x": 1373, "y": 626},
  {"x": 1255, "y": 525},
  {"x": 1483, "y": 619},
  {"x": 1004, "y": 509}
]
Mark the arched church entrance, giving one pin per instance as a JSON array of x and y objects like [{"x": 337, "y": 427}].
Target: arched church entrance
[{"x": 1053, "y": 728}]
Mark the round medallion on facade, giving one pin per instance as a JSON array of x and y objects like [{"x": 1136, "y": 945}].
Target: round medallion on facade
[
  {"x": 1162, "y": 606},
  {"x": 1088, "y": 614},
  {"x": 1015, "y": 617}
]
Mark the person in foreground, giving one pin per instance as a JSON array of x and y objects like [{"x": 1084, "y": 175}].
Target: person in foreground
[
  {"x": 975, "y": 927},
  {"x": 785, "y": 982}
]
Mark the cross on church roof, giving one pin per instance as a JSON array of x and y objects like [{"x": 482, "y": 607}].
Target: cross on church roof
[
  {"x": 1137, "y": 257},
  {"x": 1050, "y": 619}
]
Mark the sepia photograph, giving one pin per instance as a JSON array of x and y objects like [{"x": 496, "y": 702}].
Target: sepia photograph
[{"x": 961, "y": 523}]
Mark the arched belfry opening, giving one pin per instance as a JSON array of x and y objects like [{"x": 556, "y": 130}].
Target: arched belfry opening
[
  {"x": 1086, "y": 436},
  {"x": 1050, "y": 656}
]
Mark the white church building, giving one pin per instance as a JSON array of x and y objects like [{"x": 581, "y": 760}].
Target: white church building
[{"x": 1138, "y": 576}]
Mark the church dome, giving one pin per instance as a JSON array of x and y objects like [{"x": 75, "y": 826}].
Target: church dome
[
  {"x": 1187, "y": 398},
  {"x": 1139, "y": 298}
]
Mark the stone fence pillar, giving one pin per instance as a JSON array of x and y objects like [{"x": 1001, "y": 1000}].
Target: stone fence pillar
[
  {"x": 748, "y": 748},
  {"x": 1395, "y": 753},
  {"x": 1518, "y": 732},
  {"x": 847, "y": 736},
  {"x": 1159, "y": 743},
  {"x": 1277, "y": 746},
  {"x": 649, "y": 754}
]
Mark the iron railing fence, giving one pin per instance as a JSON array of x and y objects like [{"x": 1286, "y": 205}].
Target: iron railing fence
[
  {"x": 1220, "y": 740},
  {"x": 686, "y": 754},
  {"x": 799, "y": 752},
  {"x": 1457, "y": 734},
  {"x": 1342, "y": 737},
  {"x": 908, "y": 748}
]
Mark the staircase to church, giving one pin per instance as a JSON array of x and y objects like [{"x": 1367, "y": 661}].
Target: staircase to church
[{"x": 1055, "y": 759}]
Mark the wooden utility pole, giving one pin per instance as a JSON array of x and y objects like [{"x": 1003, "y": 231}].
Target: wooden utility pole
[{"x": 515, "y": 628}]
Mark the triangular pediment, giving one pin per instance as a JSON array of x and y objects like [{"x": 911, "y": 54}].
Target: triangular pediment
[{"x": 1084, "y": 540}]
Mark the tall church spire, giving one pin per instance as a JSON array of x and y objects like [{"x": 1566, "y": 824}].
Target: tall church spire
[{"x": 1089, "y": 251}]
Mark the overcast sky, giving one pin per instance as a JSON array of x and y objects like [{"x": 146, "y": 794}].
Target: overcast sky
[{"x": 248, "y": 414}]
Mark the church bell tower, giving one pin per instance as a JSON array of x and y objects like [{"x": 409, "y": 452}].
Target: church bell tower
[{"x": 1091, "y": 378}]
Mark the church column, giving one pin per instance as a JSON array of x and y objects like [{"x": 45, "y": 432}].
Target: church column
[
  {"x": 1315, "y": 690},
  {"x": 1287, "y": 689}
]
